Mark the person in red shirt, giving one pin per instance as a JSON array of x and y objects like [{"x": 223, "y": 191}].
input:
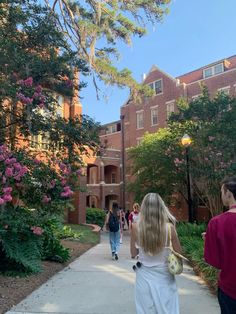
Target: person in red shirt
[{"x": 220, "y": 247}]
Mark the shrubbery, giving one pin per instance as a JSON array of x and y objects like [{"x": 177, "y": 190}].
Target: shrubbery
[
  {"x": 95, "y": 216},
  {"x": 193, "y": 246}
]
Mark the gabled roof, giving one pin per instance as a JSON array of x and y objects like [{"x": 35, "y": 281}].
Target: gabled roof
[
  {"x": 152, "y": 75},
  {"x": 198, "y": 74}
]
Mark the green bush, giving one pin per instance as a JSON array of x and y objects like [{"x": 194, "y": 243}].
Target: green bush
[
  {"x": 52, "y": 248},
  {"x": 193, "y": 247},
  {"x": 20, "y": 247},
  {"x": 95, "y": 216}
]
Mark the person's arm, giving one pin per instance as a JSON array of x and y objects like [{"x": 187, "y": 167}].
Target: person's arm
[
  {"x": 133, "y": 238},
  {"x": 211, "y": 246},
  {"x": 106, "y": 221},
  {"x": 175, "y": 240}
]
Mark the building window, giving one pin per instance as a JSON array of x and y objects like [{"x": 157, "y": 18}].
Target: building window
[
  {"x": 224, "y": 90},
  {"x": 170, "y": 107},
  {"x": 113, "y": 177},
  {"x": 139, "y": 140},
  {"x": 34, "y": 141},
  {"x": 59, "y": 106},
  {"x": 195, "y": 97},
  {"x": 154, "y": 116},
  {"x": 113, "y": 128},
  {"x": 157, "y": 86},
  {"x": 40, "y": 141},
  {"x": 214, "y": 70},
  {"x": 139, "y": 116}
]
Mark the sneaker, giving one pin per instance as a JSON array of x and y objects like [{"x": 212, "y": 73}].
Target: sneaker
[
  {"x": 116, "y": 257},
  {"x": 113, "y": 255}
]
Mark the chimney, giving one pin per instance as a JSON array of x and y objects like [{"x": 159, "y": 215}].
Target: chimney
[{"x": 143, "y": 77}]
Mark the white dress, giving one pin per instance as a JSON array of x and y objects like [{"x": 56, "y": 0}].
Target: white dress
[{"x": 155, "y": 288}]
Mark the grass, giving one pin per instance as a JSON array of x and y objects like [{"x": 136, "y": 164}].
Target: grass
[{"x": 85, "y": 234}]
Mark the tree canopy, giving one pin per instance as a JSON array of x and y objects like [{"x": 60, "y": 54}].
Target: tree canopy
[
  {"x": 94, "y": 28},
  {"x": 159, "y": 161}
]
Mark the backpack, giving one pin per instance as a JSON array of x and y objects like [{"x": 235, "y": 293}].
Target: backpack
[{"x": 113, "y": 223}]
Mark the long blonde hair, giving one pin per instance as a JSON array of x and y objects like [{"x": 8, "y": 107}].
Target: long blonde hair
[{"x": 152, "y": 223}]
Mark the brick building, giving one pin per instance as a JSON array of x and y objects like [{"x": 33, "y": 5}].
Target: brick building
[{"x": 107, "y": 175}]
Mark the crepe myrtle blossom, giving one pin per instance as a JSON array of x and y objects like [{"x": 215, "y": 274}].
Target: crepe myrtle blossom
[
  {"x": 12, "y": 172},
  {"x": 67, "y": 192},
  {"x": 37, "y": 230}
]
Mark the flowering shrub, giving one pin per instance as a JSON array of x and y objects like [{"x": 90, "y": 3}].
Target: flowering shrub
[{"x": 33, "y": 195}]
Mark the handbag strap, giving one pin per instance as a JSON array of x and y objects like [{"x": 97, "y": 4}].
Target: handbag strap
[
  {"x": 171, "y": 246},
  {"x": 169, "y": 231}
]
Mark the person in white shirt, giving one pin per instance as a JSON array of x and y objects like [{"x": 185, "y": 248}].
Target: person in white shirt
[{"x": 155, "y": 286}]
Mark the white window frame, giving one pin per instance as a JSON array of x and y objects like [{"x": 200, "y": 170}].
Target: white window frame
[
  {"x": 138, "y": 121},
  {"x": 152, "y": 85},
  {"x": 170, "y": 104},
  {"x": 213, "y": 71},
  {"x": 154, "y": 109},
  {"x": 139, "y": 140},
  {"x": 225, "y": 90},
  {"x": 194, "y": 97}
]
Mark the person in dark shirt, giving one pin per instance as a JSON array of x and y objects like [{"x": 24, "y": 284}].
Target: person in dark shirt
[{"x": 220, "y": 247}]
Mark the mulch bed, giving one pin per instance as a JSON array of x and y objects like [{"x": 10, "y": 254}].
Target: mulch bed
[{"x": 15, "y": 289}]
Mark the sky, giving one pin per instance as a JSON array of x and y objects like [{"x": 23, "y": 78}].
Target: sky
[{"x": 193, "y": 34}]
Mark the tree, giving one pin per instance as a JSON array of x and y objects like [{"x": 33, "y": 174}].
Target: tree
[
  {"x": 36, "y": 187},
  {"x": 159, "y": 162},
  {"x": 36, "y": 62},
  {"x": 94, "y": 28}
]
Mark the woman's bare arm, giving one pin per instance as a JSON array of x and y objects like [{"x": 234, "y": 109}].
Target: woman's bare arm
[{"x": 175, "y": 240}]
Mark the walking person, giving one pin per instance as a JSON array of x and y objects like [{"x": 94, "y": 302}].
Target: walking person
[
  {"x": 155, "y": 286},
  {"x": 220, "y": 247},
  {"x": 113, "y": 223},
  {"x": 133, "y": 216}
]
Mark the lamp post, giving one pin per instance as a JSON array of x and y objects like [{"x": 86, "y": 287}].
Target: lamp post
[
  {"x": 122, "y": 117},
  {"x": 186, "y": 141}
]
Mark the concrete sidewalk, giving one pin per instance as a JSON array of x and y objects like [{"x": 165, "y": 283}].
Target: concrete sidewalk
[{"x": 95, "y": 284}]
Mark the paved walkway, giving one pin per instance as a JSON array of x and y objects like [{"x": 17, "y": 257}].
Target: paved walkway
[{"x": 95, "y": 284}]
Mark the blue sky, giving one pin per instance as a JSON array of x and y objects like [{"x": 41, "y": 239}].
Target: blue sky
[{"x": 193, "y": 34}]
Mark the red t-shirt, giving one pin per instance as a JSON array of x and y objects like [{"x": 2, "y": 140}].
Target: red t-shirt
[{"x": 220, "y": 250}]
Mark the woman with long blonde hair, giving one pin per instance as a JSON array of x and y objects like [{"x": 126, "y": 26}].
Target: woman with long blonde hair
[{"x": 155, "y": 287}]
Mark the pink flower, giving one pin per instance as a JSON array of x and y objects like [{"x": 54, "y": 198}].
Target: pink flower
[
  {"x": 2, "y": 201},
  {"x": 23, "y": 170},
  {"x": 37, "y": 230},
  {"x": 7, "y": 190},
  {"x": 9, "y": 172},
  {"x": 66, "y": 192},
  {"x": 36, "y": 161},
  {"x": 28, "y": 82},
  {"x": 63, "y": 182},
  {"x": 79, "y": 172},
  {"x": 7, "y": 198},
  {"x": 4, "y": 180},
  {"x": 10, "y": 161},
  {"x": 62, "y": 166},
  {"x": 17, "y": 166},
  {"x": 38, "y": 89}
]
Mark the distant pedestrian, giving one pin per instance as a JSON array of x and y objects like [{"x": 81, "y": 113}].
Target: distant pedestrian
[
  {"x": 113, "y": 223},
  {"x": 155, "y": 286},
  {"x": 220, "y": 247},
  {"x": 133, "y": 216},
  {"x": 127, "y": 212}
]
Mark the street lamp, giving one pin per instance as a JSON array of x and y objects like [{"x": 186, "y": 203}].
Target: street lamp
[{"x": 186, "y": 142}]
